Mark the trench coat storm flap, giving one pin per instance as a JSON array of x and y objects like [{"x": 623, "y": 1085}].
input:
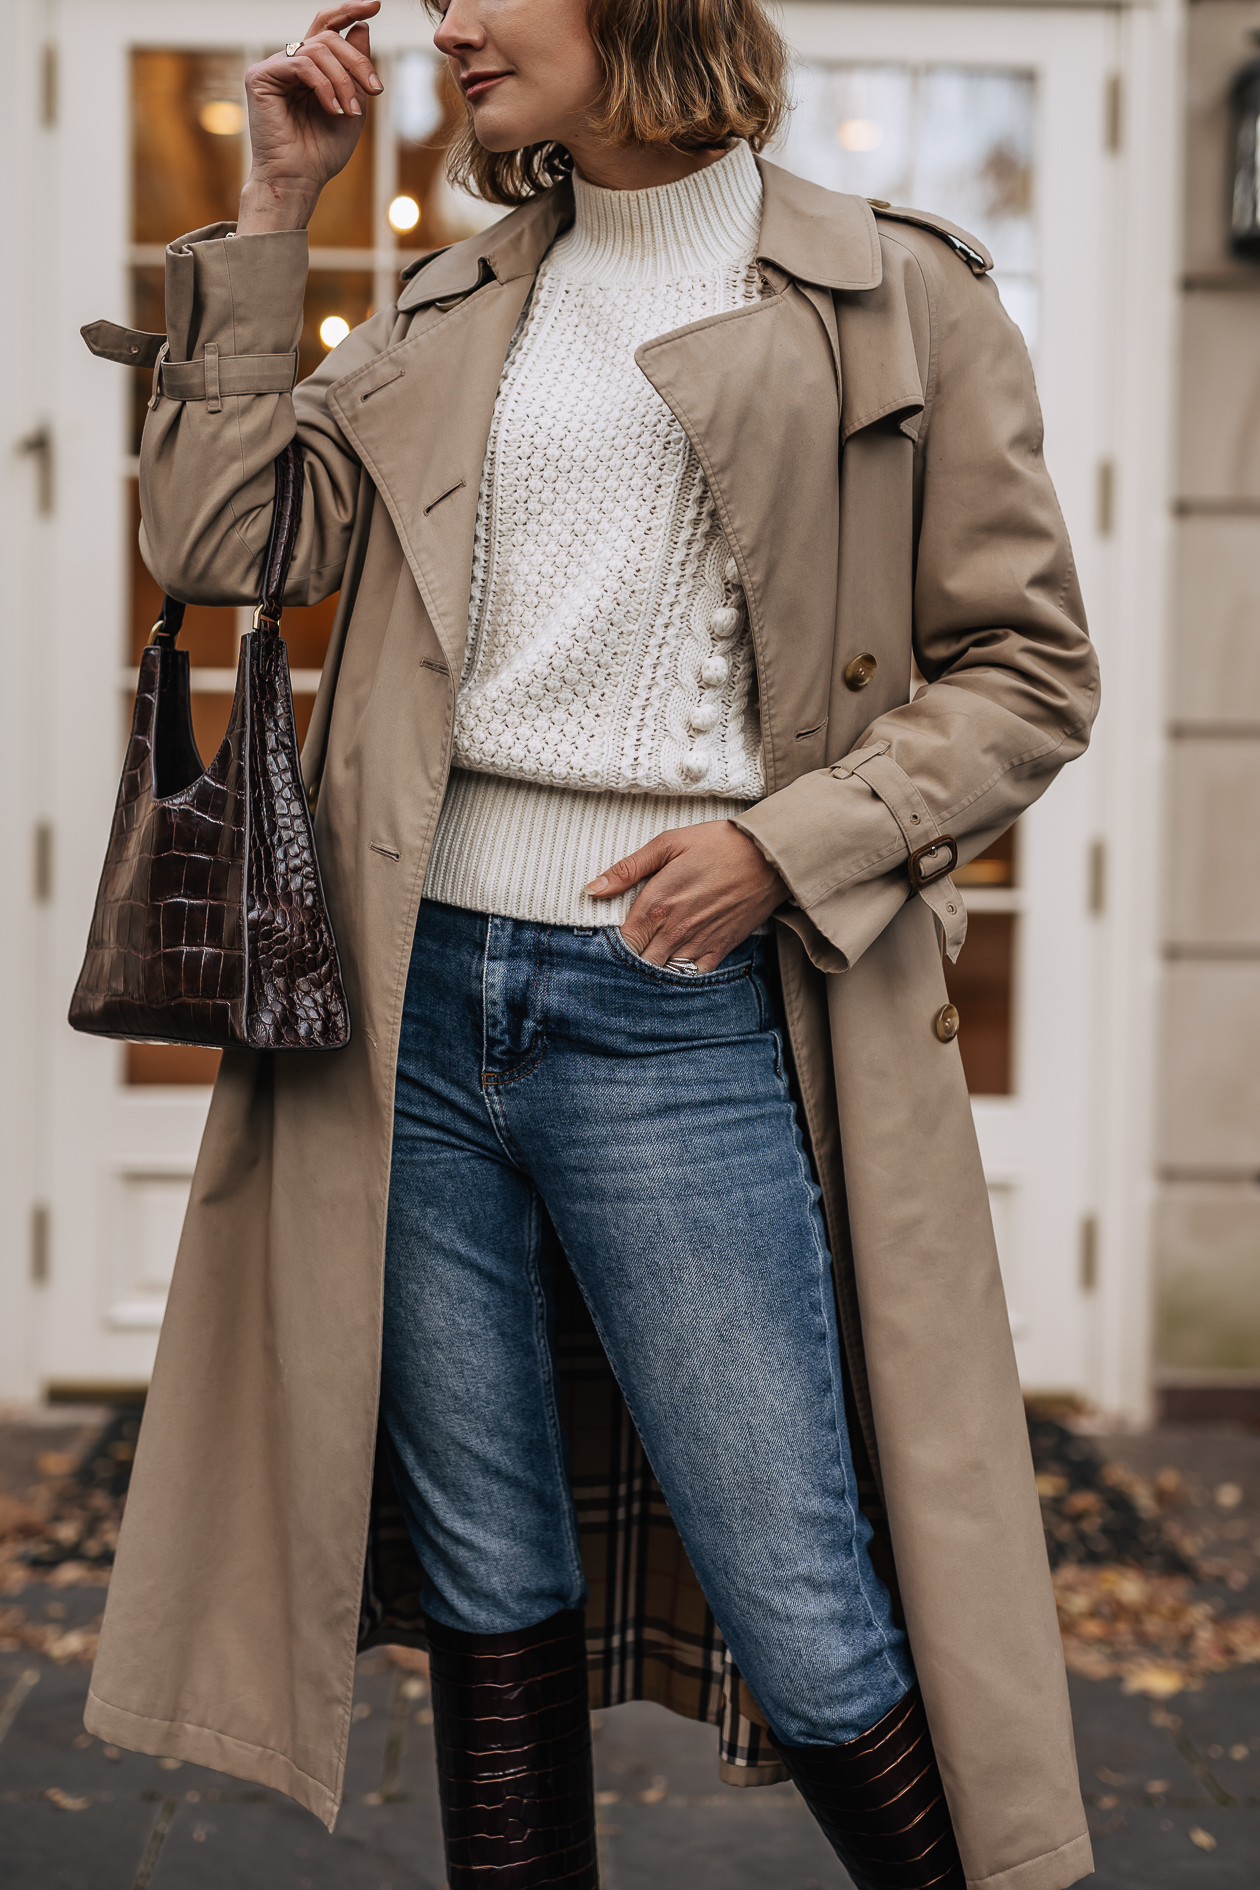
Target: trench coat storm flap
[{"x": 871, "y": 436}]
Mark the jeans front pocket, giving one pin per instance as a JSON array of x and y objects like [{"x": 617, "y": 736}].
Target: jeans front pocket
[{"x": 736, "y": 964}]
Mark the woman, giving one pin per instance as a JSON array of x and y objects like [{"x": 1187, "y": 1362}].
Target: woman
[{"x": 638, "y": 506}]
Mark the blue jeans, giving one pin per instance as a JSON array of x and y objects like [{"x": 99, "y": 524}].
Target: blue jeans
[{"x": 648, "y": 1113}]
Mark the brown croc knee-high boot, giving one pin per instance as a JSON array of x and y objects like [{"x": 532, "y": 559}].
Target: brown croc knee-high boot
[
  {"x": 513, "y": 1733},
  {"x": 881, "y": 1804}
]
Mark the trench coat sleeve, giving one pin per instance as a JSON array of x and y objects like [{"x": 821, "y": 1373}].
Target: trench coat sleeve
[
  {"x": 999, "y": 633},
  {"x": 206, "y": 481}
]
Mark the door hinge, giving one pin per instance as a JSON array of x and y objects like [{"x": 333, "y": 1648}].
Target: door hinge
[
  {"x": 42, "y": 862},
  {"x": 1113, "y": 113},
  {"x": 1089, "y": 1253},
  {"x": 49, "y": 85},
  {"x": 38, "y": 445},
  {"x": 1097, "y": 878},
  {"x": 41, "y": 1243}
]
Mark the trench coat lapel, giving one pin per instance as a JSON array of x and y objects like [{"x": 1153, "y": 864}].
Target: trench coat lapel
[
  {"x": 419, "y": 415},
  {"x": 739, "y": 385},
  {"x": 419, "y": 419},
  {"x": 766, "y": 421}
]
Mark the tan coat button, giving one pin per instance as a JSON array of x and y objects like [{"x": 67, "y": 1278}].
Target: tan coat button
[
  {"x": 860, "y": 671},
  {"x": 947, "y": 1023}
]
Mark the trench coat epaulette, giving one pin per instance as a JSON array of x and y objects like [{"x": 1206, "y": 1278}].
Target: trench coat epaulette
[{"x": 972, "y": 251}]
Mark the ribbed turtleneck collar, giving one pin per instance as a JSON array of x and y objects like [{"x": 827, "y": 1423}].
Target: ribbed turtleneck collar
[{"x": 701, "y": 223}]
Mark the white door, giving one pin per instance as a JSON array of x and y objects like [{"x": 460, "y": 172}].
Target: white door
[
  {"x": 995, "y": 117},
  {"x": 149, "y": 141},
  {"x": 1004, "y": 120}
]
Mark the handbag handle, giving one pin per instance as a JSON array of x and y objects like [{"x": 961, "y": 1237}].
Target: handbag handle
[{"x": 285, "y": 520}]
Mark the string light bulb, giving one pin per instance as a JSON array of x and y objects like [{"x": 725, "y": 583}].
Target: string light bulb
[
  {"x": 404, "y": 213},
  {"x": 859, "y": 134},
  {"x": 222, "y": 118}
]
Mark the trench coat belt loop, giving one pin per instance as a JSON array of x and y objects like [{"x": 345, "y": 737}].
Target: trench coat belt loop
[
  {"x": 929, "y": 874},
  {"x": 156, "y": 395}
]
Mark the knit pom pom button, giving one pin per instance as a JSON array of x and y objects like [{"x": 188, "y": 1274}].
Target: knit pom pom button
[
  {"x": 725, "y": 622},
  {"x": 703, "y": 717},
  {"x": 731, "y": 573},
  {"x": 714, "y": 671},
  {"x": 694, "y": 767}
]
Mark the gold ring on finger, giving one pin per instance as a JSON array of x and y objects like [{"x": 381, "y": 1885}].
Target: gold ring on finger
[{"x": 293, "y": 47}]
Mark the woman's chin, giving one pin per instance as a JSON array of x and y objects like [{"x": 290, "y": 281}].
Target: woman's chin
[{"x": 503, "y": 131}]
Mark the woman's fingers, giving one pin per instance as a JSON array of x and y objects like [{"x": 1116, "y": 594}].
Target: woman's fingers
[
  {"x": 359, "y": 59},
  {"x": 630, "y": 870},
  {"x": 353, "y": 52},
  {"x": 701, "y": 890},
  {"x": 336, "y": 19},
  {"x": 319, "y": 67}
]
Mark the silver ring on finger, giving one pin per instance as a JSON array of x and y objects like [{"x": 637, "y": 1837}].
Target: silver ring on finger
[{"x": 293, "y": 47}]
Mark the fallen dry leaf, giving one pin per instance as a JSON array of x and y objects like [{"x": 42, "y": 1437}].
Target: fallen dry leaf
[
  {"x": 1169, "y": 1485},
  {"x": 56, "y": 1463},
  {"x": 1158, "y": 1682},
  {"x": 1147, "y": 1630},
  {"x": 655, "y": 1792},
  {"x": 410, "y": 1659},
  {"x": 56, "y": 1796},
  {"x": 1228, "y": 1495},
  {"x": 18, "y": 1520},
  {"x": 1204, "y": 1839}
]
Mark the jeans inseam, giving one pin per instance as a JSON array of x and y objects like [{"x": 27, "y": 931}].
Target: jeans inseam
[
  {"x": 825, "y": 1286},
  {"x": 548, "y": 1374},
  {"x": 609, "y": 1354}
]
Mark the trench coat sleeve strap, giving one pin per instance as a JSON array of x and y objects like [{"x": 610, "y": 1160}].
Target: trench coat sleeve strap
[
  {"x": 999, "y": 633},
  {"x": 224, "y": 405}
]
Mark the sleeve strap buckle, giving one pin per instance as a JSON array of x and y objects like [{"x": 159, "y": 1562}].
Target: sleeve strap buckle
[{"x": 932, "y": 861}]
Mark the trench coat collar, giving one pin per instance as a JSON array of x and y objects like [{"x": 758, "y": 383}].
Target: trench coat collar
[
  {"x": 811, "y": 234},
  {"x": 419, "y": 415}
]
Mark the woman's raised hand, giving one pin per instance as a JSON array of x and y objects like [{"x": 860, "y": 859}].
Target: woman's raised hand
[{"x": 305, "y": 117}]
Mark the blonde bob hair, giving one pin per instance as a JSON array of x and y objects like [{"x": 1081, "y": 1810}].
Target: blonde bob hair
[{"x": 685, "y": 73}]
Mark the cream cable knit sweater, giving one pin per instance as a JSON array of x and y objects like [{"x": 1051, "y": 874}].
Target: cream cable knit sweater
[{"x": 608, "y": 690}]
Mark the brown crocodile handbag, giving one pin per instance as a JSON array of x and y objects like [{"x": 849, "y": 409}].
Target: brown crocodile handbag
[{"x": 210, "y": 925}]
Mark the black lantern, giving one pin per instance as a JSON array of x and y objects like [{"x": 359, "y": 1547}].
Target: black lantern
[{"x": 1244, "y": 219}]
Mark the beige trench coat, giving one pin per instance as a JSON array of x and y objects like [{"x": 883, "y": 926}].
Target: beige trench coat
[{"x": 871, "y": 436}]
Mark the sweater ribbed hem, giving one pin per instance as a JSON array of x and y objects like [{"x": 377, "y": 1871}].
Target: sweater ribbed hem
[{"x": 525, "y": 850}]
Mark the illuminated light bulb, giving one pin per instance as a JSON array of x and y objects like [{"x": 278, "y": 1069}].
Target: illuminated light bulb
[
  {"x": 332, "y": 329},
  {"x": 222, "y": 118},
  {"x": 859, "y": 134},
  {"x": 404, "y": 213}
]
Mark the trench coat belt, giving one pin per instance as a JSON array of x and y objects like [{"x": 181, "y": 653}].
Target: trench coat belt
[{"x": 920, "y": 832}]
